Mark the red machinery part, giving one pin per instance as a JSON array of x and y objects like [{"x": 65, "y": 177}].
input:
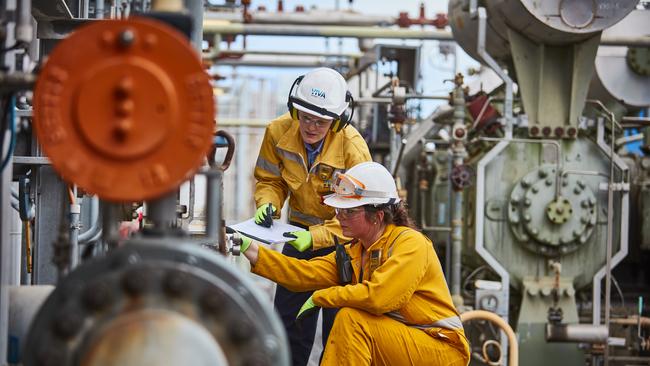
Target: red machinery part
[{"x": 124, "y": 109}]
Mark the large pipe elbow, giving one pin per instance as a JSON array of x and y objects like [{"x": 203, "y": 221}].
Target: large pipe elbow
[{"x": 513, "y": 351}]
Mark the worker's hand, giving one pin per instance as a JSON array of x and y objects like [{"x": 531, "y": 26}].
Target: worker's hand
[
  {"x": 301, "y": 239},
  {"x": 240, "y": 243},
  {"x": 307, "y": 308},
  {"x": 264, "y": 215},
  {"x": 248, "y": 248},
  {"x": 245, "y": 243}
]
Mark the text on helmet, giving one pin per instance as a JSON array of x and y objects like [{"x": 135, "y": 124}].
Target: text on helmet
[{"x": 315, "y": 92}]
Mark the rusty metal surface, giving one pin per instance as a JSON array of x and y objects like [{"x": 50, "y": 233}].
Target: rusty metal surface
[
  {"x": 153, "y": 337},
  {"x": 124, "y": 109}
]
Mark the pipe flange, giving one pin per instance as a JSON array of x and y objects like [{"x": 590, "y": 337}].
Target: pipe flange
[
  {"x": 550, "y": 225},
  {"x": 638, "y": 58},
  {"x": 156, "y": 302},
  {"x": 118, "y": 116}
]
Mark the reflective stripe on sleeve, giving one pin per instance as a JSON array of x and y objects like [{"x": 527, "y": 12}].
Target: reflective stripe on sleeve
[
  {"x": 301, "y": 217},
  {"x": 291, "y": 156},
  {"x": 452, "y": 323},
  {"x": 268, "y": 166}
]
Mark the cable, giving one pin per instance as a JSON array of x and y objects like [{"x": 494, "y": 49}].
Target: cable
[{"x": 11, "y": 108}]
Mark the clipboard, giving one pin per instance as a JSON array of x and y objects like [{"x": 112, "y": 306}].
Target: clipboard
[{"x": 271, "y": 235}]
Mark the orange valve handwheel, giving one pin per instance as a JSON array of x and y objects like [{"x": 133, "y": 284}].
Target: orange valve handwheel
[{"x": 124, "y": 109}]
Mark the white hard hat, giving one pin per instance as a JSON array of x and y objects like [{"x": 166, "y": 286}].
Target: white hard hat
[
  {"x": 366, "y": 183},
  {"x": 325, "y": 89}
]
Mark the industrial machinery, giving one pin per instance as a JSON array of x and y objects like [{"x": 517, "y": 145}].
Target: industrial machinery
[
  {"x": 539, "y": 199},
  {"x": 119, "y": 119},
  {"x": 531, "y": 177}
]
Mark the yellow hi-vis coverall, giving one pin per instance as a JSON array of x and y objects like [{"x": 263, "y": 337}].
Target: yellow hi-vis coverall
[
  {"x": 281, "y": 170},
  {"x": 396, "y": 311}
]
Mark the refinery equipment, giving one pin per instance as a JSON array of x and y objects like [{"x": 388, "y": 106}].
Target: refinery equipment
[
  {"x": 119, "y": 119},
  {"x": 531, "y": 177}
]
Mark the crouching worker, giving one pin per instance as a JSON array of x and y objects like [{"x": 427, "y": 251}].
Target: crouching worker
[{"x": 396, "y": 308}]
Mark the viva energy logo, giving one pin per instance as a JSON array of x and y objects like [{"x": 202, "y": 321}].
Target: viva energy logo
[{"x": 315, "y": 92}]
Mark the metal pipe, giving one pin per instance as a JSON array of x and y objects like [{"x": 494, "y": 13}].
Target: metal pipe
[
  {"x": 6, "y": 255},
  {"x": 507, "y": 108},
  {"x": 212, "y": 26},
  {"x": 214, "y": 202},
  {"x": 642, "y": 120},
  {"x": 623, "y": 250},
  {"x": 400, "y": 153},
  {"x": 162, "y": 211},
  {"x": 576, "y": 333},
  {"x": 84, "y": 9},
  {"x": 479, "y": 243},
  {"x": 457, "y": 245},
  {"x": 627, "y": 139},
  {"x": 75, "y": 210},
  {"x": 195, "y": 9},
  {"x": 610, "y": 232},
  {"x": 317, "y": 17},
  {"x": 24, "y": 31},
  {"x": 634, "y": 41},
  {"x": 513, "y": 351},
  {"x": 192, "y": 200},
  {"x": 459, "y": 153},
  {"x": 610, "y": 220},
  {"x": 289, "y": 53},
  {"x": 566, "y": 172},
  {"x": 94, "y": 222},
  {"x": 110, "y": 229},
  {"x": 389, "y": 100},
  {"x": 642, "y": 321},
  {"x": 99, "y": 9},
  {"x": 113, "y": 9},
  {"x": 278, "y": 61},
  {"x": 214, "y": 192}
]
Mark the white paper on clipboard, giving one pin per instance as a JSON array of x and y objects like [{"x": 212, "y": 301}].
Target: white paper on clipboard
[{"x": 271, "y": 235}]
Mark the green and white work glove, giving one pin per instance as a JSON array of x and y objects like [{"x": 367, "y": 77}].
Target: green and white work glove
[
  {"x": 264, "y": 215},
  {"x": 307, "y": 308},
  {"x": 301, "y": 239},
  {"x": 243, "y": 247}
]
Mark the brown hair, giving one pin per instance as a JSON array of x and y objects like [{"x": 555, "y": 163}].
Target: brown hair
[{"x": 396, "y": 214}]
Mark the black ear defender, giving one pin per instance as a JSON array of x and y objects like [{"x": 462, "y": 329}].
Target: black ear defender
[{"x": 339, "y": 122}]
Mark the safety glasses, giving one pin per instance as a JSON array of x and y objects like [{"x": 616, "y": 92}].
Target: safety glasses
[
  {"x": 349, "y": 187},
  {"x": 348, "y": 212},
  {"x": 318, "y": 122}
]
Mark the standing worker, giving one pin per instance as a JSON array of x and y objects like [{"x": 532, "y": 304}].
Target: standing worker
[
  {"x": 300, "y": 153},
  {"x": 395, "y": 306}
]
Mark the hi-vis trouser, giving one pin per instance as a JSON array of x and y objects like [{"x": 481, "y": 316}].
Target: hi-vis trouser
[{"x": 360, "y": 338}]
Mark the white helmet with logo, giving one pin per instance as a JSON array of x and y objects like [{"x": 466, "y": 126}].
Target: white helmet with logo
[
  {"x": 366, "y": 183},
  {"x": 321, "y": 92}
]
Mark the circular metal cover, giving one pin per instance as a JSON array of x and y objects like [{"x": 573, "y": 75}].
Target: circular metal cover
[
  {"x": 124, "y": 109},
  {"x": 537, "y": 223},
  {"x": 156, "y": 302}
]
